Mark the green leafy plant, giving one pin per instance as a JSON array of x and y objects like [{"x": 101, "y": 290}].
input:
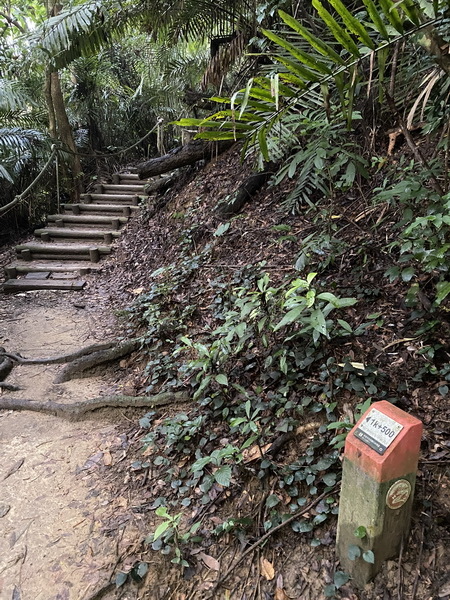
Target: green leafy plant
[{"x": 167, "y": 536}]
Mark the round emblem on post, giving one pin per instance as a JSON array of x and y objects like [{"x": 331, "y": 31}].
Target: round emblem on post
[{"x": 398, "y": 494}]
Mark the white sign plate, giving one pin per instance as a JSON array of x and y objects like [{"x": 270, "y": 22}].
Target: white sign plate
[{"x": 378, "y": 431}]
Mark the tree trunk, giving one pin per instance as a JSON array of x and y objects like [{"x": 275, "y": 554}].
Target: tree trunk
[
  {"x": 182, "y": 157},
  {"x": 59, "y": 126},
  {"x": 51, "y": 110}
]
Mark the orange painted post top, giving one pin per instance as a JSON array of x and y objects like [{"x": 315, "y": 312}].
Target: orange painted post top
[{"x": 385, "y": 442}]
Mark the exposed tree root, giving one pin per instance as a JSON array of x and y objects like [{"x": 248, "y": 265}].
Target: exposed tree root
[
  {"x": 9, "y": 386},
  {"x": 80, "y": 361},
  {"x": 60, "y": 358},
  {"x": 94, "y": 359},
  {"x": 77, "y": 410},
  {"x": 6, "y": 366}
]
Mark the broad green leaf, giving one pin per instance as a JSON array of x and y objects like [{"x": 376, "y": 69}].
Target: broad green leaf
[
  {"x": 161, "y": 511},
  {"x": 392, "y": 14},
  {"x": 369, "y": 557},
  {"x": 354, "y": 552},
  {"x": 223, "y": 475},
  {"x": 272, "y": 501},
  {"x": 310, "y": 298},
  {"x": 338, "y": 32},
  {"x": 248, "y": 88},
  {"x": 442, "y": 291},
  {"x": 411, "y": 11},
  {"x": 201, "y": 463},
  {"x": 302, "y": 72},
  {"x": 224, "y": 227},
  {"x": 142, "y": 569},
  {"x": 120, "y": 579},
  {"x": 373, "y": 13},
  {"x": 314, "y": 41},
  {"x": 290, "y": 317},
  {"x": 340, "y": 578},
  {"x": 360, "y": 532},
  {"x": 218, "y": 135},
  {"x": 329, "y": 297},
  {"x": 352, "y": 23},
  {"x": 295, "y": 52},
  {"x": 318, "y": 321},
  {"x": 222, "y": 379},
  {"x": 164, "y": 526},
  {"x": 329, "y": 479},
  {"x": 262, "y": 141},
  {"x": 345, "y": 325},
  {"x": 187, "y": 122},
  {"x": 408, "y": 273}
]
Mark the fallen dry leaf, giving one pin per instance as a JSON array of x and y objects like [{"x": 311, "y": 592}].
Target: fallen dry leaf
[
  {"x": 267, "y": 569},
  {"x": 209, "y": 561},
  {"x": 280, "y": 594},
  {"x": 107, "y": 459},
  {"x": 255, "y": 452}
]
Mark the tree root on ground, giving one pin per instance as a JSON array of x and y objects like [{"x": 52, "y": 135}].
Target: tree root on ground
[
  {"x": 80, "y": 361},
  {"x": 9, "y": 386},
  {"x": 60, "y": 358},
  {"x": 79, "y": 365},
  {"x": 77, "y": 410}
]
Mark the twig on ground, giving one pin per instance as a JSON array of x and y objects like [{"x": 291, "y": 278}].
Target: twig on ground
[
  {"x": 266, "y": 536},
  {"x": 419, "y": 561},
  {"x": 400, "y": 573}
]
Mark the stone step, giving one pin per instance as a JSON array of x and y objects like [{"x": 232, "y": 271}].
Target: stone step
[
  {"x": 61, "y": 252},
  {"x": 113, "y": 223},
  {"x": 128, "y": 189},
  {"x": 110, "y": 199},
  {"x": 23, "y": 267},
  {"x": 77, "y": 234},
  {"x": 24, "y": 285},
  {"x": 124, "y": 210}
]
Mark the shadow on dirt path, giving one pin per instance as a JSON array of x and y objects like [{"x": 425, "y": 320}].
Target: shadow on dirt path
[{"x": 53, "y": 543}]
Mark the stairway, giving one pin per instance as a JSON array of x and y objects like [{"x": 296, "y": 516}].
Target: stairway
[{"x": 74, "y": 241}]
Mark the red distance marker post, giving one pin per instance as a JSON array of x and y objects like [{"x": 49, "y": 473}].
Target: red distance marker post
[{"x": 379, "y": 474}]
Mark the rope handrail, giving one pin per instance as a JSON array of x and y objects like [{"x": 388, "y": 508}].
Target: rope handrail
[
  {"x": 55, "y": 149},
  {"x": 22, "y": 195},
  {"x": 119, "y": 152}
]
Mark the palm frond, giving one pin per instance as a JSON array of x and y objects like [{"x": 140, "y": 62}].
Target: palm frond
[
  {"x": 81, "y": 30},
  {"x": 12, "y": 96}
]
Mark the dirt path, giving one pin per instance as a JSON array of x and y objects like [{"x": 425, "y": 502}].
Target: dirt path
[{"x": 53, "y": 507}]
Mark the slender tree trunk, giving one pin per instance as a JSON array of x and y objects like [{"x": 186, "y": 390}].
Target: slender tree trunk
[
  {"x": 59, "y": 126},
  {"x": 51, "y": 110}
]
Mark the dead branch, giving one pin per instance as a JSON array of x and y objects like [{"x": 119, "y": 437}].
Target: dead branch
[
  {"x": 182, "y": 156},
  {"x": 77, "y": 410}
]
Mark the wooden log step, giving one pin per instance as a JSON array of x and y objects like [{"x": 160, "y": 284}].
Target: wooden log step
[
  {"x": 118, "y": 177},
  {"x": 128, "y": 189},
  {"x": 97, "y": 220},
  {"x": 54, "y": 248},
  {"x": 117, "y": 209},
  {"x": 110, "y": 198},
  {"x": 20, "y": 267},
  {"x": 65, "y": 232},
  {"x": 23, "y": 285}
]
